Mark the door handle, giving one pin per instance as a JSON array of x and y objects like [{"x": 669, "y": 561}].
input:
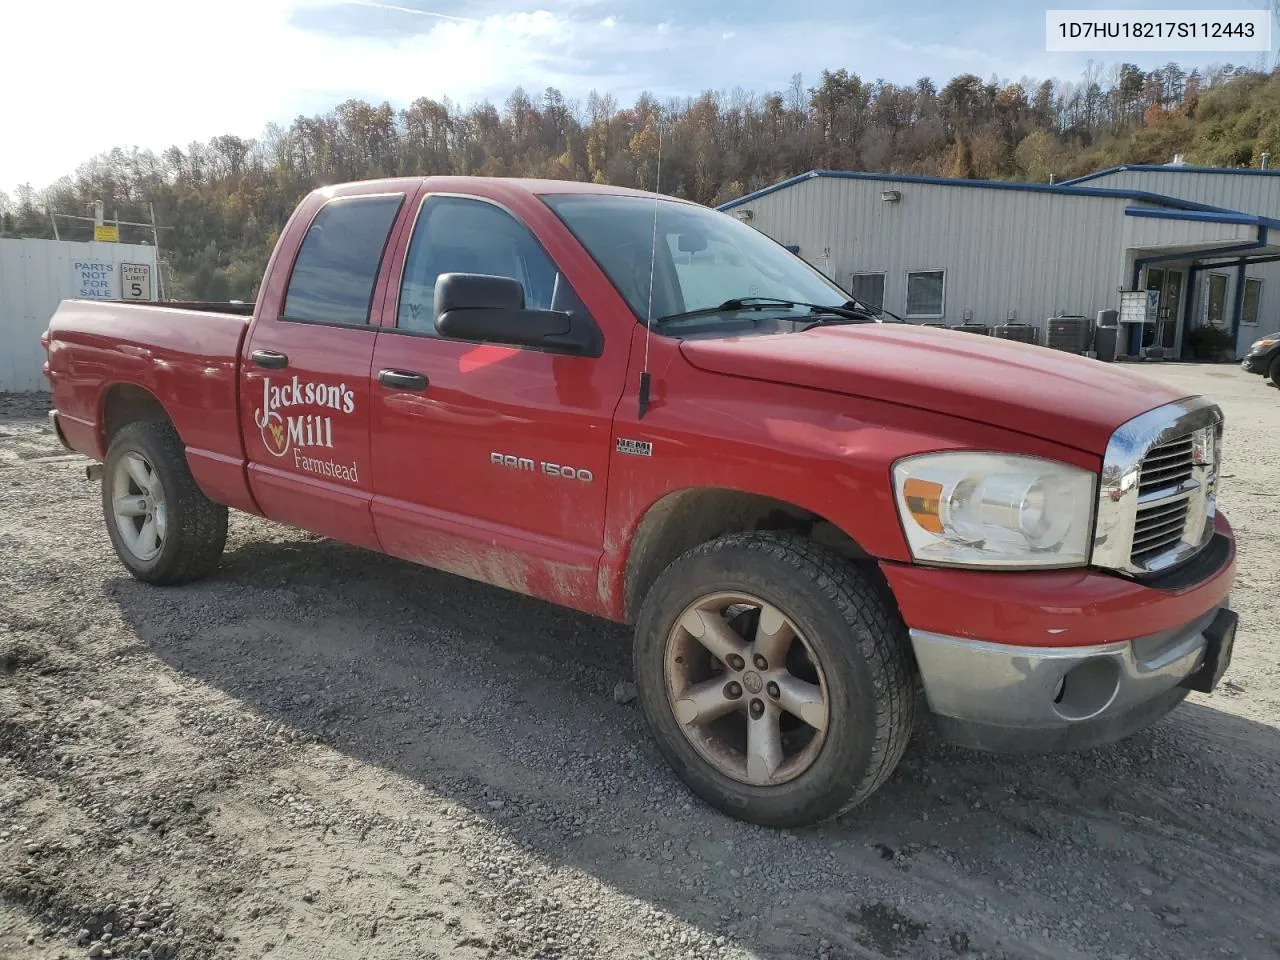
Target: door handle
[
  {"x": 402, "y": 380},
  {"x": 269, "y": 359}
]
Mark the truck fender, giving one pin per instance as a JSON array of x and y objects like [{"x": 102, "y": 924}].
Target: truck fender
[{"x": 683, "y": 519}]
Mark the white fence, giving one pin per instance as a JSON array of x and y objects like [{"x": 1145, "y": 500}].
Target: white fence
[{"x": 37, "y": 275}]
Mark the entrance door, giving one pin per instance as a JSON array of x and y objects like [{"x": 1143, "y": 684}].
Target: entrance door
[
  {"x": 1216, "y": 293},
  {"x": 1155, "y": 281},
  {"x": 1170, "y": 308},
  {"x": 305, "y": 382},
  {"x": 1168, "y": 285}
]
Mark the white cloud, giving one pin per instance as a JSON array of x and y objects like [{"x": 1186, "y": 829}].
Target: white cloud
[
  {"x": 163, "y": 72},
  {"x": 374, "y": 5},
  {"x": 173, "y": 71}
]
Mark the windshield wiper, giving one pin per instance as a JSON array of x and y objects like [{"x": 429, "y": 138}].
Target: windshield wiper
[{"x": 848, "y": 310}]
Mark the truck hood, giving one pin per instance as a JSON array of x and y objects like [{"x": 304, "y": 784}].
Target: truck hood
[{"x": 1056, "y": 396}]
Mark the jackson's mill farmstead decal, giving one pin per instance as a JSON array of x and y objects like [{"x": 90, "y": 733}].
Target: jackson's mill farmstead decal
[
  {"x": 93, "y": 280},
  {"x": 283, "y": 431}
]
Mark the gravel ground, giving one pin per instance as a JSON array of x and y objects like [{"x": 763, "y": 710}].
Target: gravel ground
[{"x": 321, "y": 752}]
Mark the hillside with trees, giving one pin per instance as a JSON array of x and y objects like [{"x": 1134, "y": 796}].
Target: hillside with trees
[{"x": 223, "y": 203}]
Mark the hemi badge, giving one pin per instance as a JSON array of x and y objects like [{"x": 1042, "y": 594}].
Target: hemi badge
[{"x": 635, "y": 448}]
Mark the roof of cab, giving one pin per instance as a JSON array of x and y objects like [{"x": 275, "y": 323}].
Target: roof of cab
[{"x": 464, "y": 184}]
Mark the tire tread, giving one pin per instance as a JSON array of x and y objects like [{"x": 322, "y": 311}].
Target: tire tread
[
  {"x": 875, "y": 627},
  {"x": 199, "y": 524}
]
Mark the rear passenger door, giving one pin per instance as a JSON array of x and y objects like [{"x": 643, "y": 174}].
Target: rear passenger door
[{"x": 305, "y": 373}]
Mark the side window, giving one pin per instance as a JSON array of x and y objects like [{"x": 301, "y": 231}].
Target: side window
[
  {"x": 1252, "y": 300},
  {"x": 337, "y": 266},
  {"x": 459, "y": 235}
]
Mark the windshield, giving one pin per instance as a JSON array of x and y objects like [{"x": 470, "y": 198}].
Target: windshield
[{"x": 702, "y": 258}]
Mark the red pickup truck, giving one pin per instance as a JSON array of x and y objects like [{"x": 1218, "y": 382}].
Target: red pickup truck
[{"x": 648, "y": 411}]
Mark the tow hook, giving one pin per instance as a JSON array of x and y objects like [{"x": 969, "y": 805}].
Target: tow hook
[{"x": 93, "y": 471}]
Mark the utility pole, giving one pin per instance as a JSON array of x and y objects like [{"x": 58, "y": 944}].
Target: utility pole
[{"x": 155, "y": 234}]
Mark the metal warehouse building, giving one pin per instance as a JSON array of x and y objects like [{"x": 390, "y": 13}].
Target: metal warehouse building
[{"x": 1194, "y": 246}]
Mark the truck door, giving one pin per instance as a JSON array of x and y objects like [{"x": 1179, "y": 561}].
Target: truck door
[
  {"x": 304, "y": 405},
  {"x": 490, "y": 461}
]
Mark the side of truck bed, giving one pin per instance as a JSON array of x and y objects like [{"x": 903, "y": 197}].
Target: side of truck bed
[{"x": 107, "y": 355}]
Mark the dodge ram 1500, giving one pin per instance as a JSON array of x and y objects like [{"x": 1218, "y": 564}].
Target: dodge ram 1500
[{"x": 646, "y": 410}]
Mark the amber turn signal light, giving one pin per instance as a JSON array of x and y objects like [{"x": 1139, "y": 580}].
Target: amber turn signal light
[{"x": 923, "y": 499}]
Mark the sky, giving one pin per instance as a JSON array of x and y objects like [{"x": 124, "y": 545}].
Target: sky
[{"x": 78, "y": 77}]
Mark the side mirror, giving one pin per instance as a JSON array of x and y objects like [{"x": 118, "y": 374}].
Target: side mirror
[{"x": 486, "y": 309}]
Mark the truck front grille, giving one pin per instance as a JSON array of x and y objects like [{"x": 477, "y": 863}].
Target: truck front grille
[
  {"x": 1159, "y": 527},
  {"x": 1157, "y": 496},
  {"x": 1168, "y": 465}
]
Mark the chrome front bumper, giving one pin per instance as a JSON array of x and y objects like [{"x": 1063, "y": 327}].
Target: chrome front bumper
[{"x": 1034, "y": 699}]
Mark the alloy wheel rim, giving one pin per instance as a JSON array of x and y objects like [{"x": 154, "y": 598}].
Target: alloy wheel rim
[
  {"x": 138, "y": 504},
  {"x": 746, "y": 689}
]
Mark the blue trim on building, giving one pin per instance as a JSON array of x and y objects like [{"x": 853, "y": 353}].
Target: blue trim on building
[
  {"x": 1253, "y": 262},
  {"x": 1170, "y": 168},
  {"x": 1197, "y": 215},
  {"x": 1175, "y": 203},
  {"x": 764, "y": 192},
  {"x": 1139, "y": 264}
]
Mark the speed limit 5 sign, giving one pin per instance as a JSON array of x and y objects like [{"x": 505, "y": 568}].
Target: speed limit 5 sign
[{"x": 135, "y": 281}]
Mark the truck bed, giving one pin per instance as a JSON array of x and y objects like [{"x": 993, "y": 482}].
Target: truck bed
[
  {"x": 239, "y": 308},
  {"x": 187, "y": 356}
]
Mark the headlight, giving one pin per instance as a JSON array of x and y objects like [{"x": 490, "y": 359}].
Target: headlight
[
  {"x": 995, "y": 510},
  {"x": 1264, "y": 344}
]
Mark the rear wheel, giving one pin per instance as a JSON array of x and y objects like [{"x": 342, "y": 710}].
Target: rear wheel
[
  {"x": 775, "y": 677},
  {"x": 163, "y": 528}
]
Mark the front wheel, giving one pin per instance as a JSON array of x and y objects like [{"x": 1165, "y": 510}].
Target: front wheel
[
  {"x": 1274, "y": 371},
  {"x": 775, "y": 677},
  {"x": 163, "y": 527}
]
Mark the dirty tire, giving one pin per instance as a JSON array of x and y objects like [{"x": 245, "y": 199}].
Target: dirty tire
[
  {"x": 196, "y": 527},
  {"x": 850, "y": 621},
  {"x": 1274, "y": 371}
]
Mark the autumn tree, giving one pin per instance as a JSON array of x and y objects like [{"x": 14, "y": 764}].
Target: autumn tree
[{"x": 224, "y": 202}]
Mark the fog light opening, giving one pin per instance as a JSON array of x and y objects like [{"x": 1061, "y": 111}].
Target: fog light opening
[{"x": 1087, "y": 689}]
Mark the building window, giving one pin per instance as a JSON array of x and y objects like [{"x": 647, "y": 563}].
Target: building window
[
  {"x": 1216, "y": 313},
  {"x": 926, "y": 294},
  {"x": 1252, "y": 302},
  {"x": 868, "y": 288}
]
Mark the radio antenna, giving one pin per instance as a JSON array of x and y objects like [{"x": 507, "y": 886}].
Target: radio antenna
[{"x": 653, "y": 261}]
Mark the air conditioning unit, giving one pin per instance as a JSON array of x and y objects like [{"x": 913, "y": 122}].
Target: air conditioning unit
[
  {"x": 1021, "y": 332},
  {"x": 979, "y": 328},
  {"x": 937, "y": 326},
  {"x": 1072, "y": 334}
]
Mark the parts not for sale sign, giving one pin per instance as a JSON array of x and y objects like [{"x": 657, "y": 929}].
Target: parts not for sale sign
[{"x": 93, "y": 280}]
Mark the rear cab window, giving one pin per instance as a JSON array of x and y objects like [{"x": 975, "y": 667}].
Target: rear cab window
[{"x": 338, "y": 261}]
